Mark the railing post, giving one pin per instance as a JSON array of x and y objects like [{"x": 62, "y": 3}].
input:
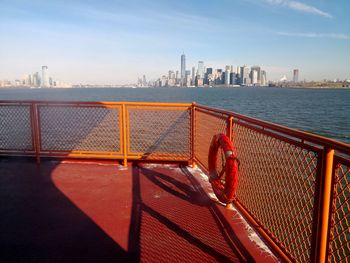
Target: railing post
[
  {"x": 35, "y": 131},
  {"x": 229, "y": 135},
  {"x": 229, "y": 127},
  {"x": 326, "y": 193},
  {"x": 193, "y": 124},
  {"x": 125, "y": 161}
]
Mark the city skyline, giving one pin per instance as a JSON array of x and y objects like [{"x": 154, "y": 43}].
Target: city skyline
[
  {"x": 115, "y": 42},
  {"x": 205, "y": 76},
  {"x": 35, "y": 80}
]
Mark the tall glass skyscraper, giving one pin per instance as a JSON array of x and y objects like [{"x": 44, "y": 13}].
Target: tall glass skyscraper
[
  {"x": 193, "y": 76},
  {"x": 183, "y": 69},
  {"x": 45, "y": 77},
  {"x": 295, "y": 75},
  {"x": 244, "y": 76},
  {"x": 201, "y": 69},
  {"x": 258, "y": 70}
]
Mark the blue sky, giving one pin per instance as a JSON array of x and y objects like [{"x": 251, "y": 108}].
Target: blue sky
[{"x": 117, "y": 41}]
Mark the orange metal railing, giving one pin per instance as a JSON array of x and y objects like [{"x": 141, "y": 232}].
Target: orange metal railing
[
  {"x": 294, "y": 187},
  {"x": 116, "y": 130}
]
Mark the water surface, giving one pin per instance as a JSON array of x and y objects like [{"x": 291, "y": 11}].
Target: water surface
[{"x": 322, "y": 111}]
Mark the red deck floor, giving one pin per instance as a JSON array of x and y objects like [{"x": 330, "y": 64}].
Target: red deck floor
[{"x": 76, "y": 211}]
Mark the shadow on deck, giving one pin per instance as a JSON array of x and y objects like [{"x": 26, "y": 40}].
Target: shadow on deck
[{"x": 65, "y": 211}]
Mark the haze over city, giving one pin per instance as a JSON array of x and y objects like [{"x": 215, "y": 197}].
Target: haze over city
[{"x": 116, "y": 41}]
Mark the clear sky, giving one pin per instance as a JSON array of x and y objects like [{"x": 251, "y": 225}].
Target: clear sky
[{"x": 114, "y": 42}]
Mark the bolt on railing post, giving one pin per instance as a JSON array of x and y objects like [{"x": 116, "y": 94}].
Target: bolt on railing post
[
  {"x": 326, "y": 194},
  {"x": 35, "y": 131},
  {"x": 125, "y": 160},
  {"x": 193, "y": 119}
]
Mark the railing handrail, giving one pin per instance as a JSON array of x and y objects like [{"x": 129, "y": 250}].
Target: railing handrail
[
  {"x": 302, "y": 135},
  {"x": 96, "y": 103},
  {"x": 305, "y": 136}
]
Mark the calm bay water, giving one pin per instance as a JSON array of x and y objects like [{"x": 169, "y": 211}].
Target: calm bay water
[{"x": 322, "y": 111}]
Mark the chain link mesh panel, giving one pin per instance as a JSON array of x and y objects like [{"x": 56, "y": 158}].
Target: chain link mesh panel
[
  {"x": 277, "y": 185},
  {"x": 206, "y": 126},
  {"x": 159, "y": 132},
  {"x": 79, "y": 128},
  {"x": 340, "y": 222},
  {"x": 15, "y": 128}
]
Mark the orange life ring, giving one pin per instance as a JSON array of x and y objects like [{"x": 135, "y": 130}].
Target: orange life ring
[{"x": 224, "y": 191}]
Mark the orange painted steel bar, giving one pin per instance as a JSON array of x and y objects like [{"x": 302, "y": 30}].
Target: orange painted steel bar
[
  {"x": 321, "y": 247},
  {"x": 36, "y": 132},
  {"x": 229, "y": 128},
  {"x": 32, "y": 120},
  {"x": 48, "y": 102},
  {"x": 124, "y": 121},
  {"x": 193, "y": 119}
]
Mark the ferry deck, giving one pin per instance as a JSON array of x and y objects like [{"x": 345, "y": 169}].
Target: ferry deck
[{"x": 128, "y": 182}]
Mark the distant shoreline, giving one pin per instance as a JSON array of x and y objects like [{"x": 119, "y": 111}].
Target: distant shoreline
[
  {"x": 173, "y": 87},
  {"x": 311, "y": 87}
]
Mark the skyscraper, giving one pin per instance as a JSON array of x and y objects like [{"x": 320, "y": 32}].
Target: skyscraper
[
  {"x": 207, "y": 75},
  {"x": 263, "y": 78},
  {"x": 227, "y": 75},
  {"x": 238, "y": 71},
  {"x": 188, "y": 78},
  {"x": 258, "y": 77},
  {"x": 45, "y": 77},
  {"x": 200, "y": 71},
  {"x": 233, "y": 78},
  {"x": 170, "y": 74},
  {"x": 183, "y": 69},
  {"x": 26, "y": 80},
  {"x": 36, "y": 79},
  {"x": 171, "y": 78},
  {"x": 254, "y": 77},
  {"x": 193, "y": 76},
  {"x": 295, "y": 75},
  {"x": 209, "y": 71},
  {"x": 244, "y": 76}
]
